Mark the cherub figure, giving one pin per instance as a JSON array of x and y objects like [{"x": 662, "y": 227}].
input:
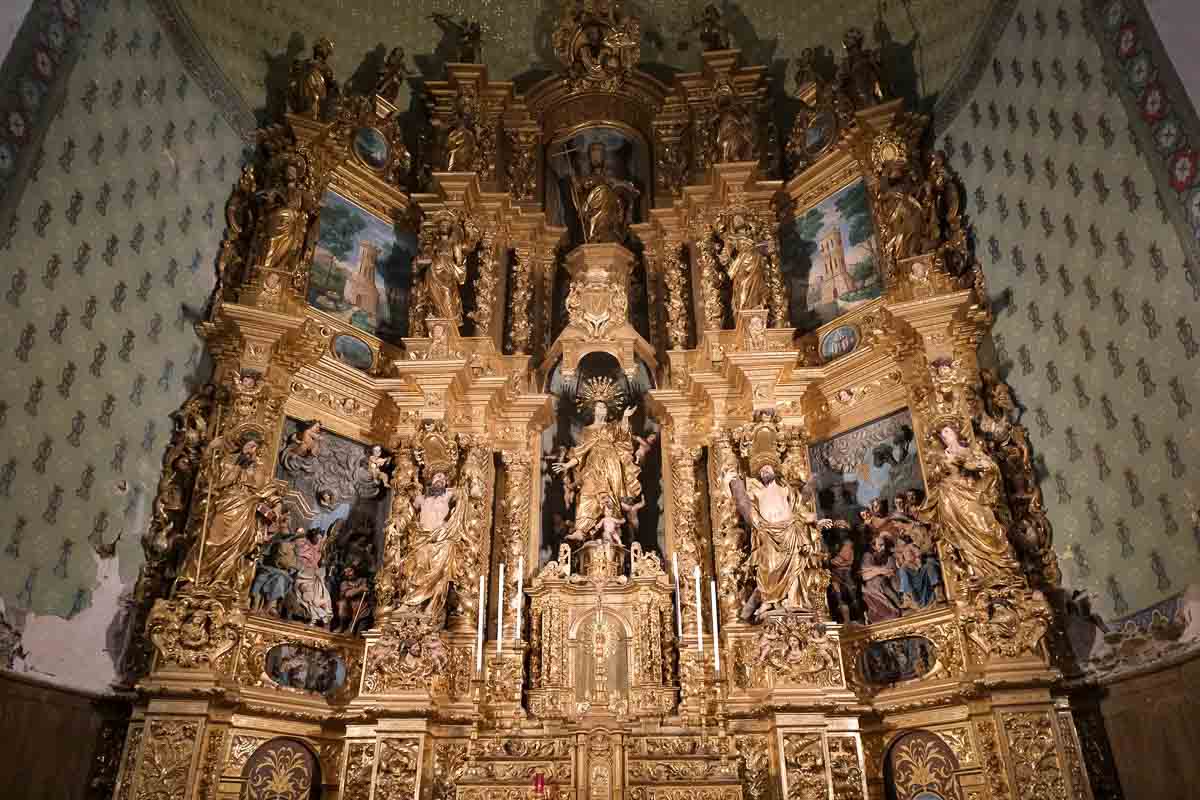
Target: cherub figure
[
  {"x": 609, "y": 526},
  {"x": 376, "y": 463},
  {"x": 570, "y": 483},
  {"x": 643, "y": 447},
  {"x": 302, "y": 448},
  {"x": 631, "y": 506}
]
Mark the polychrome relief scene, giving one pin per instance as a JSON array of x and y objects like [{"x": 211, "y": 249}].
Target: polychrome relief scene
[
  {"x": 319, "y": 566},
  {"x": 830, "y": 258},
  {"x": 886, "y": 564},
  {"x": 309, "y": 669},
  {"x": 896, "y": 660},
  {"x": 610, "y": 151},
  {"x": 361, "y": 271}
]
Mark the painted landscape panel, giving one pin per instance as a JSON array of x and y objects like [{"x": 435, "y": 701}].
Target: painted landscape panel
[
  {"x": 362, "y": 269},
  {"x": 830, "y": 258}
]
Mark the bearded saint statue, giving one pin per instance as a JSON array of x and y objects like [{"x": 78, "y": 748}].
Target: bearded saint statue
[
  {"x": 447, "y": 271},
  {"x": 284, "y": 234},
  {"x": 240, "y": 508},
  {"x": 602, "y": 201},
  {"x": 745, "y": 263},
  {"x": 440, "y": 543},
  {"x": 787, "y": 552}
]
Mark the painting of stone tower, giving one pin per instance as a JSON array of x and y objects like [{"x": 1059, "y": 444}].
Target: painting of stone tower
[
  {"x": 362, "y": 268},
  {"x": 830, "y": 259},
  {"x": 835, "y": 280},
  {"x": 361, "y": 290}
]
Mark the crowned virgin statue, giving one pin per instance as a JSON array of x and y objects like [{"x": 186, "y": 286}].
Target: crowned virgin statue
[{"x": 606, "y": 471}]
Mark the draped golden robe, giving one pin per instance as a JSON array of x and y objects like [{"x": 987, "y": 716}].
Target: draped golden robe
[
  {"x": 446, "y": 274},
  {"x": 747, "y": 273},
  {"x": 437, "y": 558},
  {"x": 460, "y": 149},
  {"x": 283, "y": 232},
  {"x": 963, "y": 506},
  {"x": 601, "y": 208},
  {"x": 607, "y": 472},
  {"x": 237, "y": 522},
  {"x": 786, "y": 556}
]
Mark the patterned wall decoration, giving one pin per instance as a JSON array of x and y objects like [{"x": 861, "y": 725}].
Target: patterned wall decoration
[
  {"x": 108, "y": 261},
  {"x": 1092, "y": 265}
]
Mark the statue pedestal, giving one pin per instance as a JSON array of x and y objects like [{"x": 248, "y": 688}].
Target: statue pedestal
[
  {"x": 918, "y": 278},
  {"x": 598, "y": 310},
  {"x": 601, "y": 560}
]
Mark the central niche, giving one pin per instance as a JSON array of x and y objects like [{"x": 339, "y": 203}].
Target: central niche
[
  {"x": 621, "y": 152},
  {"x": 641, "y": 518}
]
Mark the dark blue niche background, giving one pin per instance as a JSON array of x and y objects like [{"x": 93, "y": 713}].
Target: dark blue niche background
[{"x": 627, "y": 158}]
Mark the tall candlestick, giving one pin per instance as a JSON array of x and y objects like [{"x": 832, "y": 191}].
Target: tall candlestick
[
  {"x": 699, "y": 611},
  {"x": 479, "y": 635},
  {"x": 500, "y": 613},
  {"x": 520, "y": 594},
  {"x": 678, "y": 614},
  {"x": 716, "y": 626}
]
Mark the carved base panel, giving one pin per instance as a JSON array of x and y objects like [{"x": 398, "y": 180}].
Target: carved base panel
[
  {"x": 1004, "y": 745},
  {"x": 989, "y": 748},
  {"x": 821, "y": 757},
  {"x": 199, "y": 751}
]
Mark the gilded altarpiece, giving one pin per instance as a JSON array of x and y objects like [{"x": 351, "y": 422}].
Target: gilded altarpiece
[{"x": 687, "y": 484}]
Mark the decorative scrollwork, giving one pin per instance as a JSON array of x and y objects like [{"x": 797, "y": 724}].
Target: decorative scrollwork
[
  {"x": 193, "y": 631},
  {"x": 166, "y": 761},
  {"x": 409, "y": 655},
  {"x": 598, "y": 43},
  {"x": 799, "y": 652}
]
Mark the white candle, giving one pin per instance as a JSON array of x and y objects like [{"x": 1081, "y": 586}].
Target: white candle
[
  {"x": 699, "y": 611},
  {"x": 678, "y": 615},
  {"x": 716, "y": 626},
  {"x": 500, "y": 613},
  {"x": 479, "y": 635},
  {"x": 520, "y": 594}
]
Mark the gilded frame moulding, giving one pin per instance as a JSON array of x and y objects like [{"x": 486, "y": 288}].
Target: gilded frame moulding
[
  {"x": 262, "y": 634},
  {"x": 938, "y": 626}
]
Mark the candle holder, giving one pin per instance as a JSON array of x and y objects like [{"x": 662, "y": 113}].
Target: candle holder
[{"x": 477, "y": 696}]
